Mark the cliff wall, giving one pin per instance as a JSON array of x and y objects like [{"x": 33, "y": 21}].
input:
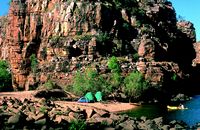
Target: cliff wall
[{"x": 51, "y": 39}]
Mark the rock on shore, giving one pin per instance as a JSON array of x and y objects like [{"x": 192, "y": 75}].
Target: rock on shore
[{"x": 45, "y": 114}]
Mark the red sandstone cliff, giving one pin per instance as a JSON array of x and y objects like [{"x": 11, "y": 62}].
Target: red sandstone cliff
[
  {"x": 197, "y": 49},
  {"x": 66, "y": 35}
]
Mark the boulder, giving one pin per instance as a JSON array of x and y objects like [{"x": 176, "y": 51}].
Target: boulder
[
  {"x": 165, "y": 127},
  {"x": 38, "y": 116},
  {"x": 16, "y": 118},
  {"x": 109, "y": 128},
  {"x": 158, "y": 121},
  {"x": 58, "y": 119},
  {"x": 89, "y": 112},
  {"x": 148, "y": 124},
  {"x": 180, "y": 98},
  {"x": 54, "y": 93},
  {"x": 41, "y": 122},
  {"x": 114, "y": 117},
  {"x": 102, "y": 113},
  {"x": 127, "y": 125}
]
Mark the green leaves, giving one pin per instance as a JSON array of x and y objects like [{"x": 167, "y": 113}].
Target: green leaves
[
  {"x": 113, "y": 65},
  {"x": 5, "y": 76},
  {"x": 135, "y": 84},
  {"x": 34, "y": 63},
  {"x": 91, "y": 81}
]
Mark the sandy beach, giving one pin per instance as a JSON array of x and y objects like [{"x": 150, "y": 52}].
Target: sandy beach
[{"x": 108, "y": 106}]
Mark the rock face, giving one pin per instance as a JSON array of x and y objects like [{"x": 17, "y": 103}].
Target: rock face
[
  {"x": 196, "y": 61},
  {"x": 62, "y": 36}
]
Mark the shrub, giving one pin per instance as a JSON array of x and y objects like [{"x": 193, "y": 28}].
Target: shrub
[
  {"x": 50, "y": 85},
  {"x": 113, "y": 65},
  {"x": 91, "y": 81},
  {"x": 77, "y": 125},
  {"x": 43, "y": 109},
  {"x": 34, "y": 63},
  {"x": 174, "y": 77},
  {"x": 5, "y": 76},
  {"x": 115, "y": 80},
  {"x": 102, "y": 37},
  {"x": 54, "y": 40},
  {"x": 135, "y": 57},
  {"x": 83, "y": 37},
  {"x": 135, "y": 85}
]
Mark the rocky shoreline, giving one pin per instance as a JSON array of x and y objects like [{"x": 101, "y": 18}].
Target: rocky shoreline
[{"x": 46, "y": 114}]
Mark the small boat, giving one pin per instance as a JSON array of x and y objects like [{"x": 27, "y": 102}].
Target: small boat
[
  {"x": 175, "y": 108},
  {"x": 172, "y": 107}
]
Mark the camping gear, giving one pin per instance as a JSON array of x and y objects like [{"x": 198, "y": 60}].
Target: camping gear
[
  {"x": 98, "y": 96},
  {"x": 83, "y": 100},
  {"x": 89, "y": 96}
]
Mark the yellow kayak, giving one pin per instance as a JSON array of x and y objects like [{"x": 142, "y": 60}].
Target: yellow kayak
[{"x": 175, "y": 108}]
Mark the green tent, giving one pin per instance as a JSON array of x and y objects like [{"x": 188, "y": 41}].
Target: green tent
[
  {"x": 98, "y": 96},
  {"x": 89, "y": 96}
]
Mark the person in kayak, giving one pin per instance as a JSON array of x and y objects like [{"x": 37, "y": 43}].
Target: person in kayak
[{"x": 181, "y": 106}]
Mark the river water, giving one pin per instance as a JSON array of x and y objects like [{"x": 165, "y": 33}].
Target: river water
[{"x": 190, "y": 116}]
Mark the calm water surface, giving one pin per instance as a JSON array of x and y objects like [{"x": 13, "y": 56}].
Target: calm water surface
[{"x": 190, "y": 116}]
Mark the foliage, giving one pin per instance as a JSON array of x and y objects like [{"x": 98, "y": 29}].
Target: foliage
[
  {"x": 51, "y": 67},
  {"x": 43, "y": 109},
  {"x": 90, "y": 80},
  {"x": 5, "y": 76},
  {"x": 115, "y": 81},
  {"x": 64, "y": 66},
  {"x": 102, "y": 37},
  {"x": 135, "y": 85},
  {"x": 54, "y": 40},
  {"x": 50, "y": 85},
  {"x": 113, "y": 65},
  {"x": 84, "y": 37},
  {"x": 135, "y": 56},
  {"x": 127, "y": 4},
  {"x": 138, "y": 23},
  {"x": 77, "y": 125},
  {"x": 34, "y": 63},
  {"x": 126, "y": 26},
  {"x": 174, "y": 77}
]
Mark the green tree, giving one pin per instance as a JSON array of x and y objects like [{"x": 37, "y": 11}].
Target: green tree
[
  {"x": 135, "y": 85},
  {"x": 113, "y": 65},
  {"x": 91, "y": 81},
  {"x": 5, "y": 76},
  {"x": 115, "y": 80}
]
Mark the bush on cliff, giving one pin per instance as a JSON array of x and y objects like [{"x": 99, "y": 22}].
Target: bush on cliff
[
  {"x": 135, "y": 85},
  {"x": 113, "y": 65},
  {"x": 5, "y": 76},
  {"x": 34, "y": 63}
]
